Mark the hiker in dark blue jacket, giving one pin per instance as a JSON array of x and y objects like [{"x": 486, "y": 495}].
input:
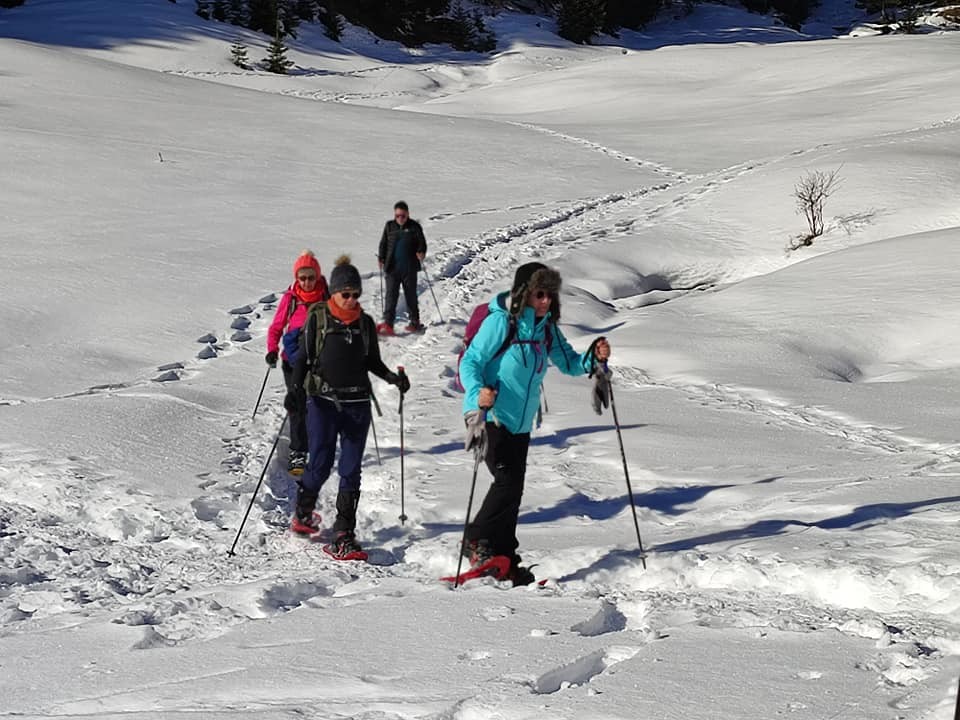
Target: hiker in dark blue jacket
[{"x": 502, "y": 395}]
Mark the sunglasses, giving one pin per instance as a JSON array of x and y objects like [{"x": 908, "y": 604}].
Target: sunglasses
[
  {"x": 307, "y": 278},
  {"x": 350, "y": 295},
  {"x": 541, "y": 294}
]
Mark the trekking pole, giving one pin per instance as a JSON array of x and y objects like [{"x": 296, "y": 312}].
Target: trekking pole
[
  {"x": 373, "y": 425},
  {"x": 543, "y": 396},
  {"x": 956, "y": 713},
  {"x": 381, "y": 288},
  {"x": 253, "y": 497},
  {"x": 376, "y": 443},
  {"x": 477, "y": 457},
  {"x": 260, "y": 396},
  {"x": 626, "y": 472},
  {"x": 430, "y": 285},
  {"x": 403, "y": 514}
]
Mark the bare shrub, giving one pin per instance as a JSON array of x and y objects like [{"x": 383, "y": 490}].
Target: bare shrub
[{"x": 811, "y": 191}]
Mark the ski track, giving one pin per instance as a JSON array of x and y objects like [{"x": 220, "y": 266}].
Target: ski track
[{"x": 150, "y": 565}]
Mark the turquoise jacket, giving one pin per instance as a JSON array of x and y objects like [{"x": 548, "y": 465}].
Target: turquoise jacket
[{"x": 518, "y": 373}]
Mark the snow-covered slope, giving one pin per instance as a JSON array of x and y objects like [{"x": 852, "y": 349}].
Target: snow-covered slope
[{"x": 790, "y": 419}]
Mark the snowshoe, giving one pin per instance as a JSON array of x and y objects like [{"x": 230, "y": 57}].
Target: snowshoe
[
  {"x": 415, "y": 328},
  {"x": 497, "y": 567},
  {"x": 385, "y": 329},
  {"x": 305, "y": 525},
  {"x": 477, "y": 552},
  {"x": 520, "y": 575},
  {"x": 345, "y": 547}
]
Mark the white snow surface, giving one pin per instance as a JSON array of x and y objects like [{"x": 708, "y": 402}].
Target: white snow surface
[{"x": 790, "y": 419}]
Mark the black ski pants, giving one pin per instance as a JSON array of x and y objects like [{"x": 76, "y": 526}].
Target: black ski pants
[
  {"x": 496, "y": 521},
  {"x": 298, "y": 417},
  {"x": 394, "y": 282}
]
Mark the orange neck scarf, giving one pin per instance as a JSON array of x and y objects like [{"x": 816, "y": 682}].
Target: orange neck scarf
[
  {"x": 315, "y": 295},
  {"x": 342, "y": 314}
]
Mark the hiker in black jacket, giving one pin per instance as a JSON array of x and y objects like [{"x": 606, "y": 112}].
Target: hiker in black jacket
[
  {"x": 338, "y": 348},
  {"x": 402, "y": 248}
]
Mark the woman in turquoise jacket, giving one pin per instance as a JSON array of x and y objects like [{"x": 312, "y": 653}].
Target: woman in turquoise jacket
[{"x": 502, "y": 372}]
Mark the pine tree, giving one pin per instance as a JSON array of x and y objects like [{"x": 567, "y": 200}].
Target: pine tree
[
  {"x": 238, "y": 55},
  {"x": 287, "y": 17},
  {"x": 11, "y": 3},
  {"x": 580, "y": 20},
  {"x": 464, "y": 32},
  {"x": 276, "y": 61},
  {"x": 203, "y": 9},
  {"x": 219, "y": 11},
  {"x": 306, "y": 10},
  {"x": 633, "y": 14},
  {"x": 262, "y": 16},
  {"x": 237, "y": 12},
  {"x": 484, "y": 39},
  {"x": 332, "y": 23}
]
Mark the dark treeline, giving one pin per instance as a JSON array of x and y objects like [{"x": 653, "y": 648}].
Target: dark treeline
[{"x": 416, "y": 22}]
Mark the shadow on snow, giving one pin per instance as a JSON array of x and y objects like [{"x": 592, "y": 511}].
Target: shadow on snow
[{"x": 859, "y": 518}]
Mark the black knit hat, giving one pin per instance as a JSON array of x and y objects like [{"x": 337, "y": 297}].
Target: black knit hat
[
  {"x": 344, "y": 276},
  {"x": 535, "y": 276}
]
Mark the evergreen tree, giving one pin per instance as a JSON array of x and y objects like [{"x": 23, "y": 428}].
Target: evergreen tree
[
  {"x": 332, "y": 23},
  {"x": 203, "y": 9},
  {"x": 580, "y": 20},
  {"x": 219, "y": 10},
  {"x": 909, "y": 17},
  {"x": 632, "y": 14},
  {"x": 238, "y": 55},
  {"x": 262, "y": 16},
  {"x": 11, "y": 3},
  {"x": 276, "y": 61},
  {"x": 484, "y": 39},
  {"x": 306, "y": 10},
  {"x": 464, "y": 32},
  {"x": 287, "y": 17},
  {"x": 237, "y": 12}
]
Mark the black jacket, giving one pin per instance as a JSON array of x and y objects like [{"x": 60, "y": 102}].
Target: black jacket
[
  {"x": 345, "y": 358},
  {"x": 388, "y": 241}
]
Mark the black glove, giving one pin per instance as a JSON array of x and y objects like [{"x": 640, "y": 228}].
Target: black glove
[
  {"x": 601, "y": 389},
  {"x": 401, "y": 381},
  {"x": 294, "y": 401},
  {"x": 272, "y": 358}
]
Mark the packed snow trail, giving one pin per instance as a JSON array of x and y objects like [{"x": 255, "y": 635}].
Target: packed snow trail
[{"x": 793, "y": 543}]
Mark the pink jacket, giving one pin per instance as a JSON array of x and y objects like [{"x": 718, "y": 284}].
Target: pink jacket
[{"x": 282, "y": 324}]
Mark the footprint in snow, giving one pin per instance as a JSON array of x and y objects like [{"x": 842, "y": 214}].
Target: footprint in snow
[
  {"x": 582, "y": 670},
  {"x": 284, "y": 597},
  {"x": 497, "y": 612},
  {"x": 607, "y": 619},
  {"x": 208, "y": 353},
  {"x": 240, "y": 323},
  {"x": 208, "y": 339}
]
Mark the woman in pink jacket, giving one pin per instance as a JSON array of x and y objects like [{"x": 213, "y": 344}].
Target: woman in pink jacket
[{"x": 309, "y": 286}]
